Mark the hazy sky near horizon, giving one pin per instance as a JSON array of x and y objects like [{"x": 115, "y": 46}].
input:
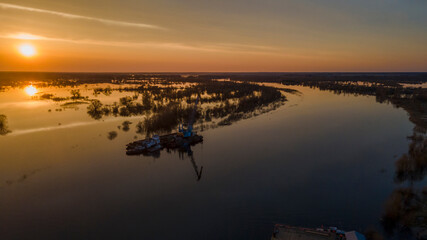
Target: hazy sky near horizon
[{"x": 221, "y": 35}]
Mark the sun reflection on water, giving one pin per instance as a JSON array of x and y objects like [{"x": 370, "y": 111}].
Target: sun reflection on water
[{"x": 31, "y": 90}]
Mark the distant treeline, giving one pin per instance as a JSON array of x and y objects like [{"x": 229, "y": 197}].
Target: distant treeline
[
  {"x": 297, "y": 78},
  {"x": 68, "y": 79}
]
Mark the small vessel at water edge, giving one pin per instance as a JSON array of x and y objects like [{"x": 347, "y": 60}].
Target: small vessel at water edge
[
  {"x": 157, "y": 143},
  {"x": 284, "y": 232}
]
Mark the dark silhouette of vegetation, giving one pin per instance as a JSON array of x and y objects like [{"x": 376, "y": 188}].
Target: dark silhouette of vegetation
[
  {"x": 413, "y": 165},
  {"x": 126, "y": 126},
  {"x": 52, "y": 97},
  {"x": 4, "y": 128},
  {"x": 147, "y": 102},
  {"x": 112, "y": 135},
  {"x": 165, "y": 120},
  {"x": 166, "y": 105},
  {"x": 74, "y": 104},
  {"x": 75, "y": 94},
  {"x": 106, "y": 91},
  {"x": 405, "y": 209},
  {"x": 95, "y": 109}
]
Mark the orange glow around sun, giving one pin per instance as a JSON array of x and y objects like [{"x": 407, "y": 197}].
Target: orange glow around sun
[
  {"x": 31, "y": 90},
  {"x": 27, "y": 50}
]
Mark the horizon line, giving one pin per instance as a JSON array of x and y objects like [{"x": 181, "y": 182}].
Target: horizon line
[{"x": 14, "y": 71}]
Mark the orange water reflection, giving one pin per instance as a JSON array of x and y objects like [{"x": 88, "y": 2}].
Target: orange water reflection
[{"x": 30, "y": 90}]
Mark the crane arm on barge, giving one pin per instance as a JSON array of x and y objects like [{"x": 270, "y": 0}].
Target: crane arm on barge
[{"x": 189, "y": 131}]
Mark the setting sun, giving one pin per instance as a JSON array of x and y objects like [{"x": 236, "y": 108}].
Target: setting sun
[
  {"x": 27, "y": 50},
  {"x": 31, "y": 90}
]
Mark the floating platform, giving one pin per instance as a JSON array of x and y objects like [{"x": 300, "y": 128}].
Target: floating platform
[
  {"x": 283, "y": 232},
  {"x": 157, "y": 143}
]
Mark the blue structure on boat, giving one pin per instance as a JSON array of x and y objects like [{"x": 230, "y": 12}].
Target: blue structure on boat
[{"x": 189, "y": 131}]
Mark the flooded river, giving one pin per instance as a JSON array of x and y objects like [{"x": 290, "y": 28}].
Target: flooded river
[{"x": 320, "y": 159}]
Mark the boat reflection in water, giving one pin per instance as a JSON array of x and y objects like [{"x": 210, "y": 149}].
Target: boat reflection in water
[
  {"x": 193, "y": 161},
  {"x": 176, "y": 141}
]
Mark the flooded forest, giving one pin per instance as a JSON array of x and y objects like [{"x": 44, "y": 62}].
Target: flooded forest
[{"x": 141, "y": 105}]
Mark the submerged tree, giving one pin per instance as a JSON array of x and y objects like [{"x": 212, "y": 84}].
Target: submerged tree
[
  {"x": 146, "y": 101},
  {"x": 165, "y": 106},
  {"x": 95, "y": 109},
  {"x": 75, "y": 94},
  {"x": 405, "y": 209},
  {"x": 4, "y": 128},
  {"x": 125, "y": 126},
  {"x": 413, "y": 165},
  {"x": 166, "y": 119},
  {"x": 112, "y": 135}
]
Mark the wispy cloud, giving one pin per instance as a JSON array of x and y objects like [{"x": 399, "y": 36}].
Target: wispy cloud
[
  {"x": 28, "y": 36},
  {"x": 224, "y": 47},
  {"x": 230, "y": 48},
  {"x": 24, "y": 36},
  {"x": 75, "y": 16},
  {"x": 247, "y": 46}
]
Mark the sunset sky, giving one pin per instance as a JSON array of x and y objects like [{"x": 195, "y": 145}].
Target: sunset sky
[{"x": 221, "y": 35}]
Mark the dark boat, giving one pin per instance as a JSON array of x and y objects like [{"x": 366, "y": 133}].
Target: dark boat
[
  {"x": 157, "y": 143},
  {"x": 284, "y": 232}
]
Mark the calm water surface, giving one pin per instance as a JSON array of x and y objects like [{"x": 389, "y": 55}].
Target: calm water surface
[{"x": 320, "y": 159}]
